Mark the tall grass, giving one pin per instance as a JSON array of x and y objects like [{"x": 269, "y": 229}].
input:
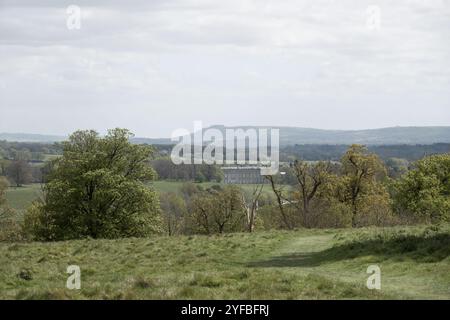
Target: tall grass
[{"x": 303, "y": 264}]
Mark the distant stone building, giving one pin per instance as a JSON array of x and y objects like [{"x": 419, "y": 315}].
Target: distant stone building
[{"x": 242, "y": 175}]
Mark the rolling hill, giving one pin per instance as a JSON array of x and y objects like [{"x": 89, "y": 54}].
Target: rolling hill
[{"x": 296, "y": 135}]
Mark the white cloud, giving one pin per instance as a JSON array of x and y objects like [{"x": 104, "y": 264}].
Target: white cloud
[{"x": 154, "y": 66}]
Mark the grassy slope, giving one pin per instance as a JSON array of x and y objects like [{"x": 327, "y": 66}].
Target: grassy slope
[{"x": 305, "y": 264}]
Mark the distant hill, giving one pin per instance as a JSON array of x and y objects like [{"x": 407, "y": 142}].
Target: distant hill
[
  {"x": 42, "y": 138},
  {"x": 31, "y": 137},
  {"x": 162, "y": 141},
  {"x": 384, "y": 136},
  {"x": 294, "y": 135}
]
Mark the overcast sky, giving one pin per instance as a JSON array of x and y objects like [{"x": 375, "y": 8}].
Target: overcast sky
[{"x": 157, "y": 65}]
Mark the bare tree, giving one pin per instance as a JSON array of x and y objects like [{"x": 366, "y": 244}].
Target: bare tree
[
  {"x": 251, "y": 206},
  {"x": 218, "y": 211},
  {"x": 281, "y": 201},
  {"x": 309, "y": 178}
]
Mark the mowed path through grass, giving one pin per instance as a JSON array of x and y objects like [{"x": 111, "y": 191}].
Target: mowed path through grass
[
  {"x": 406, "y": 272},
  {"x": 305, "y": 264}
]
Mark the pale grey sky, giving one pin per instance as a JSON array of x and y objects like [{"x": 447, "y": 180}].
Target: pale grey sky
[{"x": 156, "y": 65}]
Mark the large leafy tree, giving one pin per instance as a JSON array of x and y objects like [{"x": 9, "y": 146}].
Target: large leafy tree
[
  {"x": 362, "y": 173},
  {"x": 322, "y": 197},
  {"x": 97, "y": 189},
  {"x": 425, "y": 190},
  {"x": 310, "y": 184},
  {"x": 310, "y": 179},
  {"x": 19, "y": 171}
]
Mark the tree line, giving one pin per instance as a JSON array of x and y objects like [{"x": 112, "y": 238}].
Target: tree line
[
  {"x": 354, "y": 192},
  {"x": 317, "y": 152},
  {"x": 100, "y": 187},
  {"x": 24, "y": 162},
  {"x": 167, "y": 170}
]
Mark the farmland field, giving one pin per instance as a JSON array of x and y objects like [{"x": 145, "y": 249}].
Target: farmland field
[
  {"x": 19, "y": 198},
  {"x": 302, "y": 264}
]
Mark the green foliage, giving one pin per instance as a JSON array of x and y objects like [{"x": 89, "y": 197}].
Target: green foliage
[
  {"x": 167, "y": 170},
  {"x": 174, "y": 211},
  {"x": 19, "y": 172},
  {"x": 97, "y": 189},
  {"x": 217, "y": 211},
  {"x": 188, "y": 189},
  {"x": 9, "y": 227},
  {"x": 4, "y": 184},
  {"x": 362, "y": 174},
  {"x": 331, "y": 213},
  {"x": 425, "y": 190},
  {"x": 396, "y": 167},
  {"x": 334, "y": 152},
  {"x": 311, "y": 179},
  {"x": 27, "y": 150},
  {"x": 323, "y": 194},
  {"x": 375, "y": 209}
]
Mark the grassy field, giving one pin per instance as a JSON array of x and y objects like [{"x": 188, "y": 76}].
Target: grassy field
[
  {"x": 303, "y": 264},
  {"x": 20, "y": 198}
]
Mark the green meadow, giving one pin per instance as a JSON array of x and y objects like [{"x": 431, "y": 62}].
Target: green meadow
[
  {"x": 19, "y": 198},
  {"x": 300, "y": 264}
]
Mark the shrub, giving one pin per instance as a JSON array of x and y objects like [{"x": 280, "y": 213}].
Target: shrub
[
  {"x": 425, "y": 190},
  {"x": 10, "y": 229}
]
